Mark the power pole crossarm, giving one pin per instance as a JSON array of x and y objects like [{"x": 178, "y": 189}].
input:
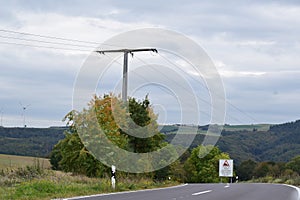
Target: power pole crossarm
[
  {"x": 127, "y": 50},
  {"x": 125, "y": 65}
]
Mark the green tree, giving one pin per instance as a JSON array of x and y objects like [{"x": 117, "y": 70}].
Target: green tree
[
  {"x": 203, "y": 164},
  {"x": 277, "y": 169},
  {"x": 106, "y": 115},
  {"x": 77, "y": 159},
  {"x": 177, "y": 171},
  {"x": 294, "y": 164},
  {"x": 245, "y": 170},
  {"x": 55, "y": 157},
  {"x": 144, "y": 122},
  {"x": 261, "y": 170},
  {"x": 70, "y": 155}
]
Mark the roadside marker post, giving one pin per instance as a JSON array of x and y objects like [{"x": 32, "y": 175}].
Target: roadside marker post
[{"x": 113, "y": 177}]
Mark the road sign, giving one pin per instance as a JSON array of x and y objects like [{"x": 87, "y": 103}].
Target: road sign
[{"x": 225, "y": 168}]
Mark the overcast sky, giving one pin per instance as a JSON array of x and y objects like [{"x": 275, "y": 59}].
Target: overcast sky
[{"x": 255, "y": 46}]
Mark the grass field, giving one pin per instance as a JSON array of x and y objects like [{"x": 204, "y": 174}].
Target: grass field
[
  {"x": 258, "y": 127},
  {"x": 188, "y": 129},
  {"x": 13, "y": 162},
  {"x": 29, "y": 178}
]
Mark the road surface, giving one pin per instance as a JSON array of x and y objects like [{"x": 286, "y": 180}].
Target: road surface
[{"x": 240, "y": 191}]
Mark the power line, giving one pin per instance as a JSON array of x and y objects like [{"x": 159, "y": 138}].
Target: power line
[
  {"x": 203, "y": 100},
  {"x": 180, "y": 68},
  {"x": 241, "y": 111},
  {"x": 186, "y": 89},
  {"x": 56, "y": 38},
  {"x": 46, "y": 36},
  {"x": 83, "y": 50},
  {"x": 48, "y": 42},
  {"x": 47, "y": 47},
  {"x": 144, "y": 78}
]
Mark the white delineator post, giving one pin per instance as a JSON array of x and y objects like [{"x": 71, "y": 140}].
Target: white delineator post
[{"x": 113, "y": 176}]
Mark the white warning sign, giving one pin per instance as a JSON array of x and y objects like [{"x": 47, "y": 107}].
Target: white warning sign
[{"x": 226, "y": 168}]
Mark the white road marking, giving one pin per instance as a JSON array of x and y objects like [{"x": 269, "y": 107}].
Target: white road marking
[
  {"x": 296, "y": 188},
  {"x": 203, "y": 192}
]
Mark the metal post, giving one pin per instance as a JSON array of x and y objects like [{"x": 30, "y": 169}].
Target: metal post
[
  {"x": 125, "y": 77},
  {"x": 125, "y": 65}
]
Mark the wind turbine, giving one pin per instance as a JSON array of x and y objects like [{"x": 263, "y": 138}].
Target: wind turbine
[{"x": 23, "y": 112}]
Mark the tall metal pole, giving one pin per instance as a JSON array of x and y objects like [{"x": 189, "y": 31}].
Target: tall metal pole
[
  {"x": 125, "y": 77},
  {"x": 125, "y": 66}
]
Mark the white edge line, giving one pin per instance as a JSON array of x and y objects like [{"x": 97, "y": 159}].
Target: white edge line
[
  {"x": 203, "y": 192},
  {"x": 296, "y": 188},
  {"x": 125, "y": 192}
]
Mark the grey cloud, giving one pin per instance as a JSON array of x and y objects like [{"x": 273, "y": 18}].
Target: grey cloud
[{"x": 232, "y": 32}]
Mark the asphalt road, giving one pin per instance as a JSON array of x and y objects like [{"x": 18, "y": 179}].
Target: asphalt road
[{"x": 238, "y": 191}]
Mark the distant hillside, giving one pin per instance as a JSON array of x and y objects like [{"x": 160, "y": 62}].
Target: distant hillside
[
  {"x": 168, "y": 129},
  {"x": 29, "y": 141},
  {"x": 258, "y": 142},
  {"x": 279, "y": 143}
]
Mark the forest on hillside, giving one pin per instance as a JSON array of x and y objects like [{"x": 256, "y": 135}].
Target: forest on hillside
[
  {"x": 279, "y": 144},
  {"x": 37, "y": 142}
]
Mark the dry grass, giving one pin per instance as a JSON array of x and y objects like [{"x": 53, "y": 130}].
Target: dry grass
[
  {"x": 14, "y": 162},
  {"x": 32, "y": 184},
  {"x": 27, "y": 178}
]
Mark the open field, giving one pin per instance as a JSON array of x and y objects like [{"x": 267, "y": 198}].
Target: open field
[
  {"x": 13, "y": 162},
  {"x": 258, "y": 127},
  {"x": 189, "y": 129}
]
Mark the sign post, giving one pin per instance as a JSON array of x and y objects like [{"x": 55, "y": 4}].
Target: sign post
[{"x": 226, "y": 168}]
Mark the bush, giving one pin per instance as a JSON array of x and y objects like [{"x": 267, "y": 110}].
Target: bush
[
  {"x": 30, "y": 172},
  {"x": 11, "y": 177}
]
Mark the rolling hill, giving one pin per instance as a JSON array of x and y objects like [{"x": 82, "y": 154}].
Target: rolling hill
[
  {"x": 258, "y": 142},
  {"x": 37, "y": 142}
]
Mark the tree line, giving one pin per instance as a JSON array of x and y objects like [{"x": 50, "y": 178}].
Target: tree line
[
  {"x": 251, "y": 170},
  {"x": 71, "y": 155},
  {"x": 199, "y": 164}
]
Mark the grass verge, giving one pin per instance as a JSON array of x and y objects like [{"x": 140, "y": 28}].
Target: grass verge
[
  {"x": 33, "y": 183},
  {"x": 290, "y": 180}
]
